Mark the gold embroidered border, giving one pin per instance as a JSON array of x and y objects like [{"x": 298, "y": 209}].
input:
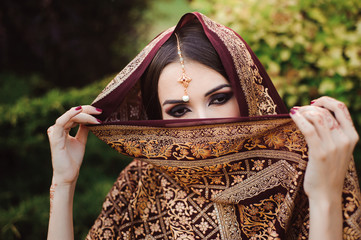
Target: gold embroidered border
[
  {"x": 280, "y": 173},
  {"x": 131, "y": 67},
  {"x": 286, "y": 208},
  {"x": 229, "y": 227},
  {"x": 355, "y": 223},
  {"x": 183, "y": 134},
  {"x": 208, "y": 141},
  {"x": 257, "y": 97},
  {"x": 352, "y": 191},
  {"x": 289, "y": 156}
]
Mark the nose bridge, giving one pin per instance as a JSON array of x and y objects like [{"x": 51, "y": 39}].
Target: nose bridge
[{"x": 201, "y": 112}]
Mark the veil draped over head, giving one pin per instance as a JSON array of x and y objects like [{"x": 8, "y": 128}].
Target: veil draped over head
[{"x": 239, "y": 178}]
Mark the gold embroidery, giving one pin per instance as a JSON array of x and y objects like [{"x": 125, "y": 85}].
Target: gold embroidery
[
  {"x": 278, "y": 174},
  {"x": 131, "y": 67},
  {"x": 351, "y": 208},
  {"x": 169, "y": 212},
  {"x": 190, "y": 178},
  {"x": 229, "y": 226},
  {"x": 258, "y": 99},
  {"x": 258, "y": 219},
  {"x": 179, "y": 214},
  {"x": 167, "y": 143}
]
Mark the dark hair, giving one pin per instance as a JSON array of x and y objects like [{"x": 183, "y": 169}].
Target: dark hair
[{"x": 194, "y": 45}]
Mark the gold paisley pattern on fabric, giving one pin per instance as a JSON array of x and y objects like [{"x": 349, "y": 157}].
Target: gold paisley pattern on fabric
[
  {"x": 242, "y": 184},
  {"x": 208, "y": 142},
  {"x": 221, "y": 181}
]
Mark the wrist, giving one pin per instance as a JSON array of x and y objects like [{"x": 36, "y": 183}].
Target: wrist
[
  {"x": 325, "y": 218},
  {"x": 325, "y": 205},
  {"x": 327, "y": 197},
  {"x": 61, "y": 183}
]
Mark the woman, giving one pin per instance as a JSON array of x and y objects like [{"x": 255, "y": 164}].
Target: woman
[{"x": 216, "y": 155}]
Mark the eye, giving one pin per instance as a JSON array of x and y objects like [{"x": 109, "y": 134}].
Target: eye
[
  {"x": 220, "y": 98},
  {"x": 178, "y": 111}
]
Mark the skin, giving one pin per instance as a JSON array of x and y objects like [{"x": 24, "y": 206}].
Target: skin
[
  {"x": 331, "y": 141},
  {"x": 67, "y": 154},
  {"x": 211, "y": 95}
]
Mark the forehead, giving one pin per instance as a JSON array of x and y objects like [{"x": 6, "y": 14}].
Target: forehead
[{"x": 203, "y": 78}]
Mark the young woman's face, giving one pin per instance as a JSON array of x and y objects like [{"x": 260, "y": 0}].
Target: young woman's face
[{"x": 210, "y": 94}]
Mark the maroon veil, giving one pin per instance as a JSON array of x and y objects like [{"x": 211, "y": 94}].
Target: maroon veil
[{"x": 238, "y": 178}]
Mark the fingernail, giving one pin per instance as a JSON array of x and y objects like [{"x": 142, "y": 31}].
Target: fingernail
[
  {"x": 100, "y": 121},
  {"x": 312, "y": 102},
  {"x": 293, "y": 111},
  {"x": 98, "y": 109},
  {"x": 78, "y": 108}
]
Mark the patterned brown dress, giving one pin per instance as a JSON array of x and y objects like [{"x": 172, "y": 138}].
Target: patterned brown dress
[{"x": 209, "y": 179}]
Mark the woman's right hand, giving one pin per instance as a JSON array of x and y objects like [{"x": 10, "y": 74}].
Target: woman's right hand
[{"x": 67, "y": 152}]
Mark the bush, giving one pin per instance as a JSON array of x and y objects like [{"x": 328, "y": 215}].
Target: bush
[
  {"x": 25, "y": 167},
  {"x": 309, "y": 48}
]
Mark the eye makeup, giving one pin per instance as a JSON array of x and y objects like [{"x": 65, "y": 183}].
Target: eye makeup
[
  {"x": 178, "y": 111},
  {"x": 217, "y": 96},
  {"x": 220, "y": 98}
]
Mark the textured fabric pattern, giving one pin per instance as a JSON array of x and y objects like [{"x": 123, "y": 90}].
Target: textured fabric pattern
[
  {"x": 209, "y": 180},
  {"x": 227, "y": 181}
]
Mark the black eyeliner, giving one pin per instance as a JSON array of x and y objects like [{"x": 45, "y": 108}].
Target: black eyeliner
[
  {"x": 226, "y": 96},
  {"x": 173, "y": 111}
]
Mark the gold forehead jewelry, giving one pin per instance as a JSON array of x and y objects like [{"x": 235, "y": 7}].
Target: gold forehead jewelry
[{"x": 184, "y": 79}]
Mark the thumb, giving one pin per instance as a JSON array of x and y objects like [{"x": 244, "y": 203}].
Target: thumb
[{"x": 82, "y": 134}]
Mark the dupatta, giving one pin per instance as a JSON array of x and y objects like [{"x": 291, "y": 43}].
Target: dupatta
[{"x": 238, "y": 178}]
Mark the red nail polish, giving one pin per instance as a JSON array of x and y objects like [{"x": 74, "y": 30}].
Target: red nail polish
[
  {"x": 99, "y": 110},
  {"x": 78, "y": 108},
  {"x": 312, "y": 102},
  {"x": 99, "y": 121},
  {"x": 293, "y": 111}
]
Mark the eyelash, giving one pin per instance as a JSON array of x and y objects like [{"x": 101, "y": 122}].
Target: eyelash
[
  {"x": 173, "y": 111},
  {"x": 223, "y": 96},
  {"x": 180, "y": 110}
]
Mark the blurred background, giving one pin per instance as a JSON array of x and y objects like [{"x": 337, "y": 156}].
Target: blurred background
[{"x": 58, "y": 54}]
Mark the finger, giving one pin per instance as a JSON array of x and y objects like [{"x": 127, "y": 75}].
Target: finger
[
  {"x": 91, "y": 110},
  {"x": 342, "y": 115},
  {"x": 57, "y": 129},
  {"x": 338, "y": 108},
  {"x": 64, "y": 119},
  {"x": 320, "y": 119},
  {"x": 82, "y": 133},
  {"x": 324, "y": 118},
  {"x": 81, "y": 118},
  {"x": 50, "y": 133},
  {"x": 307, "y": 129}
]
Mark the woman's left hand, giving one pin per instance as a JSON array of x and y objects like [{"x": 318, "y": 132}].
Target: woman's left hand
[{"x": 331, "y": 138}]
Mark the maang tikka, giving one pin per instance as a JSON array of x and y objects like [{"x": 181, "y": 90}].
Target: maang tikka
[{"x": 184, "y": 79}]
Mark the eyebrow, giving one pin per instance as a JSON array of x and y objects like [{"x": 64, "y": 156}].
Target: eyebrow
[
  {"x": 216, "y": 89},
  {"x": 208, "y": 93},
  {"x": 172, "y": 102}
]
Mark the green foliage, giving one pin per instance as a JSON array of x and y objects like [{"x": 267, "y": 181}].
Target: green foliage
[
  {"x": 309, "y": 48},
  {"x": 25, "y": 166},
  {"x": 164, "y": 14},
  {"x": 28, "y": 107},
  {"x": 16, "y": 222}
]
